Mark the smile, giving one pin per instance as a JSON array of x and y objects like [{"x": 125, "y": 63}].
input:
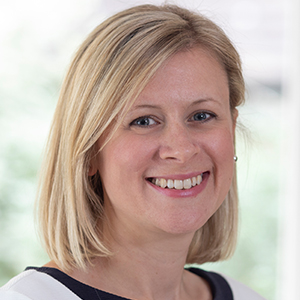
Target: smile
[{"x": 185, "y": 184}]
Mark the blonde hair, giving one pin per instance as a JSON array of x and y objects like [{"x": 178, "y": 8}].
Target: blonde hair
[{"x": 108, "y": 72}]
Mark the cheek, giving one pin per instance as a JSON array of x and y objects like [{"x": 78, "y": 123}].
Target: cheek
[
  {"x": 224, "y": 163},
  {"x": 222, "y": 145},
  {"x": 220, "y": 149},
  {"x": 125, "y": 158},
  {"x": 122, "y": 166}
]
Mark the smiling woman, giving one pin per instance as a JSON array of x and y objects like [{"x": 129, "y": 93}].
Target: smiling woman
[
  {"x": 163, "y": 138},
  {"x": 139, "y": 174}
]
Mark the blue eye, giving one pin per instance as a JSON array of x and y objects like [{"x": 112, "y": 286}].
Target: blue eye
[
  {"x": 202, "y": 116},
  {"x": 143, "y": 122}
]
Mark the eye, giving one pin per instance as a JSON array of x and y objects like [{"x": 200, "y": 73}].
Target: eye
[
  {"x": 143, "y": 121},
  {"x": 202, "y": 116}
]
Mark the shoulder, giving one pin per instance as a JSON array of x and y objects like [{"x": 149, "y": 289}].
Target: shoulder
[
  {"x": 241, "y": 291},
  {"x": 226, "y": 288},
  {"x": 34, "y": 285}
]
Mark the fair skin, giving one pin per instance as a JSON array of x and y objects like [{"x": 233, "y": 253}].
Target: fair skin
[{"x": 179, "y": 129}]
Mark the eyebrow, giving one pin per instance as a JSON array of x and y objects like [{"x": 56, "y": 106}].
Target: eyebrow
[
  {"x": 192, "y": 104},
  {"x": 145, "y": 106},
  {"x": 205, "y": 100}
]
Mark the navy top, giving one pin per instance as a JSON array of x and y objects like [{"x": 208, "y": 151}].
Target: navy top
[{"x": 219, "y": 286}]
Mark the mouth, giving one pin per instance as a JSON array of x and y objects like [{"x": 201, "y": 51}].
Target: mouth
[{"x": 178, "y": 184}]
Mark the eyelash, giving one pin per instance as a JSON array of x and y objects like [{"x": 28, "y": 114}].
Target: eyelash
[
  {"x": 208, "y": 116},
  {"x": 135, "y": 122}
]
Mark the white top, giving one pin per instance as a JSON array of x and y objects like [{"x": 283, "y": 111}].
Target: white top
[
  {"x": 241, "y": 291},
  {"x": 34, "y": 285}
]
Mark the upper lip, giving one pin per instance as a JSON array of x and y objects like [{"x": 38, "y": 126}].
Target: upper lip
[{"x": 178, "y": 176}]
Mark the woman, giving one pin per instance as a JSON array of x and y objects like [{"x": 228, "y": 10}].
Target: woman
[{"x": 139, "y": 174}]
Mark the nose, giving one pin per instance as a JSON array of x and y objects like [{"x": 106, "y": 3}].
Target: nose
[{"x": 178, "y": 143}]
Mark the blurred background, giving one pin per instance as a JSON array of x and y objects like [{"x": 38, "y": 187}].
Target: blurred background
[{"x": 37, "y": 41}]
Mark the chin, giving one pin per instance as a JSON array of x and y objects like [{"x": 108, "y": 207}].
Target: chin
[{"x": 188, "y": 225}]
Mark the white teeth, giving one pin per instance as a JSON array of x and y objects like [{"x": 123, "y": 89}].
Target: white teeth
[
  {"x": 199, "y": 179},
  {"x": 187, "y": 184},
  {"x": 163, "y": 183},
  {"x": 194, "y": 181},
  {"x": 177, "y": 184},
  {"x": 170, "y": 184}
]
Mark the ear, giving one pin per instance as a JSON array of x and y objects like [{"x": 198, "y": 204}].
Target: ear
[
  {"x": 93, "y": 163},
  {"x": 234, "y": 114},
  {"x": 92, "y": 170}
]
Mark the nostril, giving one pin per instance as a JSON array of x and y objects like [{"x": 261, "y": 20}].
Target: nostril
[{"x": 178, "y": 153}]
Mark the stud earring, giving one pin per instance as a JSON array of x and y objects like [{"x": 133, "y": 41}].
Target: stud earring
[{"x": 235, "y": 158}]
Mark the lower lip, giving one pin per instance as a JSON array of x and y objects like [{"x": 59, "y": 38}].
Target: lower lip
[{"x": 192, "y": 192}]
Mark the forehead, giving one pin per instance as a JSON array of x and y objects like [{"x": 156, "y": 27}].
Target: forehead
[{"x": 188, "y": 75}]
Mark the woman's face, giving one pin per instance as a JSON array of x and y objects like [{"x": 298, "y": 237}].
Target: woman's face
[{"x": 170, "y": 164}]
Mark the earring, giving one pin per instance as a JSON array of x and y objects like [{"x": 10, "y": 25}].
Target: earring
[{"x": 235, "y": 158}]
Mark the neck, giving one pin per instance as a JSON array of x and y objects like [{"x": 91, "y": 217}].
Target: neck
[
  {"x": 146, "y": 264},
  {"x": 146, "y": 269},
  {"x": 150, "y": 273}
]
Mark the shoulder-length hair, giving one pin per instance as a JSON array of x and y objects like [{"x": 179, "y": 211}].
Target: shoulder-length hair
[{"x": 108, "y": 72}]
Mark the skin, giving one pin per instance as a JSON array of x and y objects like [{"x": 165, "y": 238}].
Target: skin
[{"x": 181, "y": 125}]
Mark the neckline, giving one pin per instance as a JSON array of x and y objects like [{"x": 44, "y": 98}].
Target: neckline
[{"x": 219, "y": 286}]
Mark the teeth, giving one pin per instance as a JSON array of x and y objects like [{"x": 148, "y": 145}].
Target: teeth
[
  {"x": 170, "y": 184},
  {"x": 163, "y": 183},
  {"x": 187, "y": 184},
  {"x": 199, "y": 179},
  {"x": 177, "y": 184},
  {"x": 194, "y": 181}
]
